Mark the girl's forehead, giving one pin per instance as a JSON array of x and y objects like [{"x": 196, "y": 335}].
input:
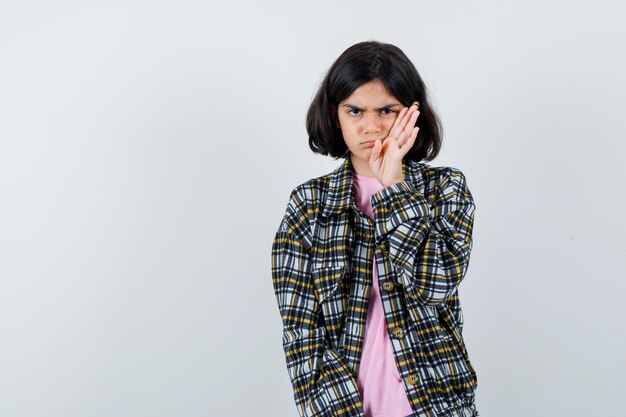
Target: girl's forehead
[
  {"x": 376, "y": 102},
  {"x": 373, "y": 94}
]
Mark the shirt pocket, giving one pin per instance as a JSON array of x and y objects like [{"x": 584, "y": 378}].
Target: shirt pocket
[
  {"x": 441, "y": 357},
  {"x": 445, "y": 362},
  {"x": 332, "y": 292}
]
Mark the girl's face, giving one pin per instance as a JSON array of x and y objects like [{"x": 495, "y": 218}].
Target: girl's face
[{"x": 364, "y": 116}]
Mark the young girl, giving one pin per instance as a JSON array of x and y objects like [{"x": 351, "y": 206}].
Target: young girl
[{"x": 367, "y": 259}]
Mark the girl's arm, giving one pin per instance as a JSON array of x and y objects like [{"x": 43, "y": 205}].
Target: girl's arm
[
  {"x": 430, "y": 246},
  {"x": 322, "y": 383}
]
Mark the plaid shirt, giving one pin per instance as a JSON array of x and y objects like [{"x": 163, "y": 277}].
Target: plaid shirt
[{"x": 421, "y": 239}]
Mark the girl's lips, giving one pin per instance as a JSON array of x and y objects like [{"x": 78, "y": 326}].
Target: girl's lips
[{"x": 369, "y": 143}]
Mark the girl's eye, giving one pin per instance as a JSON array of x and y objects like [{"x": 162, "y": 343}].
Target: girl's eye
[{"x": 388, "y": 111}]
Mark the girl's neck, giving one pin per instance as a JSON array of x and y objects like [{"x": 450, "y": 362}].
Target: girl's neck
[{"x": 361, "y": 167}]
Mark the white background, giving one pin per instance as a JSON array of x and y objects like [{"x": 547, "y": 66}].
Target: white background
[{"x": 147, "y": 152}]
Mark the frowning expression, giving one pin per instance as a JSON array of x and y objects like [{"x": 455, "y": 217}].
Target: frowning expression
[{"x": 366, "y": 115}]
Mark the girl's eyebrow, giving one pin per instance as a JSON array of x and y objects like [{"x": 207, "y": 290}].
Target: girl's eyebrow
[{"x": 385, "y": 107}]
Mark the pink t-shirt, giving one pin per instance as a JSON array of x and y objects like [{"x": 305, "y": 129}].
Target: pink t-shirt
[{"x": 379, "y": 381}]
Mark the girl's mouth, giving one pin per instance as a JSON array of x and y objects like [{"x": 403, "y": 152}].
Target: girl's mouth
[{"x": 369, "y": 143}]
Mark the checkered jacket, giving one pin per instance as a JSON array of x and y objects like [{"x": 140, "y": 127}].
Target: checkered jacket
[{"x": 421, "y": 239}]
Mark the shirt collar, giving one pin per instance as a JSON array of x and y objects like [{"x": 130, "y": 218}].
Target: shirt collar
[{"x": 340, "y": 194}]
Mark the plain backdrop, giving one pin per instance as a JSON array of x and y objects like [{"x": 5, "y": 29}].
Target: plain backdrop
[{"x": 148, "y": 149}]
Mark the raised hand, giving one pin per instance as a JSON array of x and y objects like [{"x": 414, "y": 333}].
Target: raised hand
[{"x": 387, "y": 154}]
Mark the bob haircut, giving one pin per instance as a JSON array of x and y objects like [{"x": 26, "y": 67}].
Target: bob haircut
[{"x": 360, "y": 63}]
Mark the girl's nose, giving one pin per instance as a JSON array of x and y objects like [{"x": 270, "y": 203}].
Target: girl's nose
[{"x": 372, "y": 123}]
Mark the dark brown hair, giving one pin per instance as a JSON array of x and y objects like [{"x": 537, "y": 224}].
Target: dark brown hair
[{"x": 360, "y": 63}]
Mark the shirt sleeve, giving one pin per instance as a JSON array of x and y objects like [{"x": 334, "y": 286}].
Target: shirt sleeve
[
  {"x": 430, "y": 246},
  {"x": 322, "y": 384}
]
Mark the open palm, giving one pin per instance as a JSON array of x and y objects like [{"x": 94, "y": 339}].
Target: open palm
[{"x": 387, "y": 154}]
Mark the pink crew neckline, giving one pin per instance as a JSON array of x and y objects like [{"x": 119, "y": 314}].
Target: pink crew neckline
[{"x": 364, "y": 176}]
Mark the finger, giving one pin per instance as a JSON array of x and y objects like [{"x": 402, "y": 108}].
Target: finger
[
  {"x": 409, "y": 144},
  {"x": 398, "y": 125},
  {"x": 406, "y": 132},
  {"x": 402, "y": 118},
  {"x": 398, "y": 129},
  {"x": 398, "y": 119},
  {"x": 375, "y": 150}
]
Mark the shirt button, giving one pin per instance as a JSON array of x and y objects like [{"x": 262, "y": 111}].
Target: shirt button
[
  {"x": 398, "y": 332},
  {"x": 388, "y": 286},
  {"x": 413, "y": 378}
]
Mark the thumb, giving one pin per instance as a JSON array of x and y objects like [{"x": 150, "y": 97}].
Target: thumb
[{"x": 375, "y": 150}]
